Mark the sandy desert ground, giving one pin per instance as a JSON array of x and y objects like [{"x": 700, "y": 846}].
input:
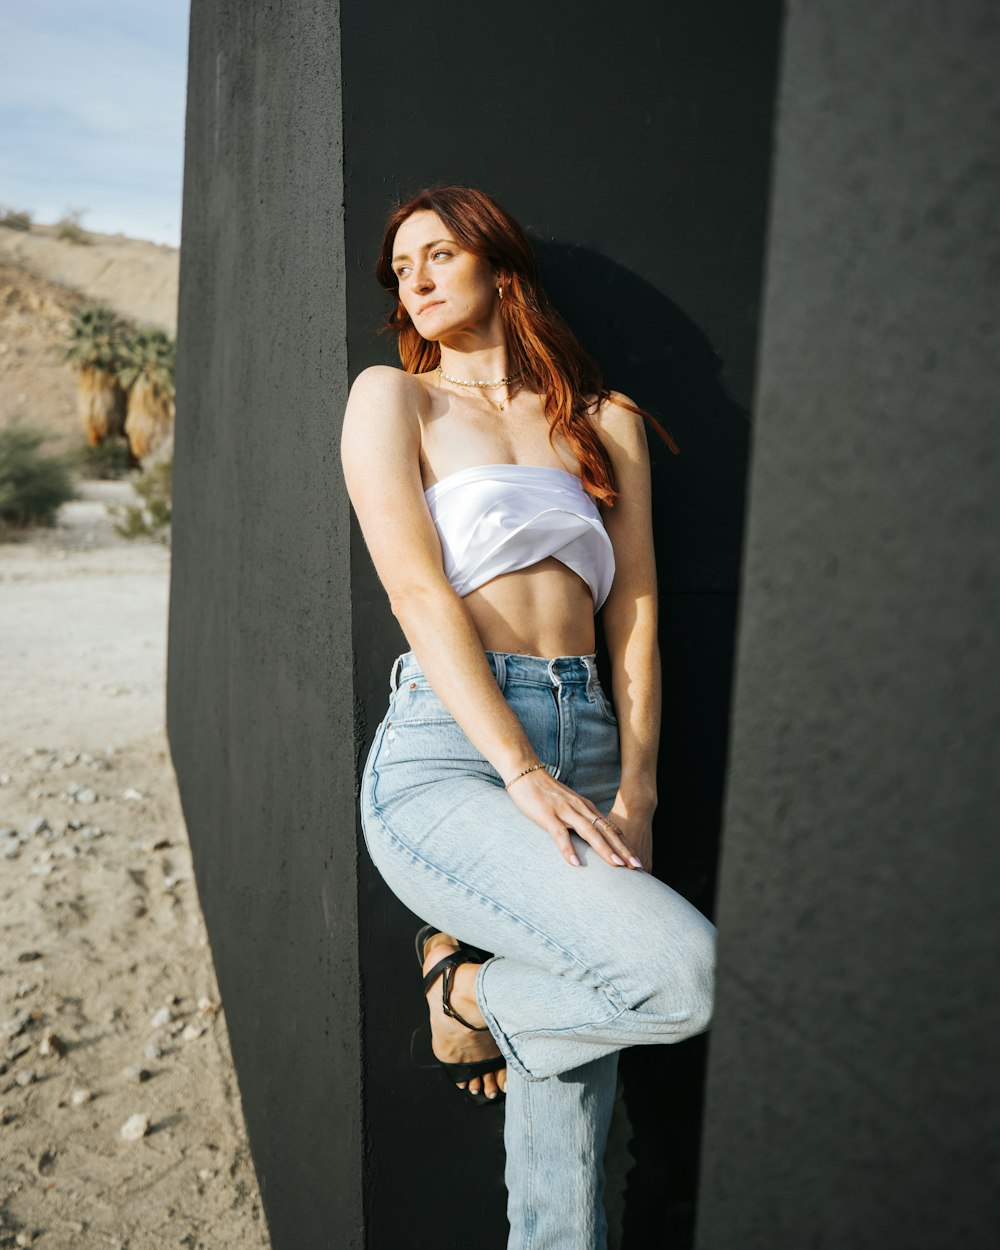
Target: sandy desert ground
[{"x": 120, "y": 1117}]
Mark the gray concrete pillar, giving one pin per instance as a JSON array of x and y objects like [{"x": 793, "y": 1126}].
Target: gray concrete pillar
[
  {"x": 853, "y": 1079},
  {"x": 261, "y": 714}
]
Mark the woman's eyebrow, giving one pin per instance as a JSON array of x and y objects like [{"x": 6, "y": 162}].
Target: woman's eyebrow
[{"x": 426, "y": 247}]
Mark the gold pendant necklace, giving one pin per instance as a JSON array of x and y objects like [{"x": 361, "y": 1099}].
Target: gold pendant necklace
[
  {"x": 511, "y": 377},
  {"x": 504, "y": 402},
  {"x": 484, "y": 386}
]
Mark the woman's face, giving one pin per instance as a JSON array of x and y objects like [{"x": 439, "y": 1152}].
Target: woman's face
[{"x": 445, "y": 289}]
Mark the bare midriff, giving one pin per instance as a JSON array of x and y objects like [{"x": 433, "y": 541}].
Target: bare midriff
[{"x": 545, "y": 609}]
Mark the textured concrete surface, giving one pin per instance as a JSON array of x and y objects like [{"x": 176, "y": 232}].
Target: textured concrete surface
[
  {"x": 260, "y": 704},
  {"x": 853, "y": 1086}
]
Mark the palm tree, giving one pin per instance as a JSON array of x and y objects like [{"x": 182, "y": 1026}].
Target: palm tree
[
  {"x": 96, "y": 334},
  {"x": 147, "y": 371}
]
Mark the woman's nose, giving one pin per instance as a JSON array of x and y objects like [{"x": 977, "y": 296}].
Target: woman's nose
[{"x": 422, "y": 280}]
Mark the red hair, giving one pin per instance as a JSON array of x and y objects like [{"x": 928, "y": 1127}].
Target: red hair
[{"x": 541, "y": 346}]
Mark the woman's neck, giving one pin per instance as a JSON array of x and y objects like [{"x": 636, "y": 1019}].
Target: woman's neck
[{"x": 476, "y": 359}]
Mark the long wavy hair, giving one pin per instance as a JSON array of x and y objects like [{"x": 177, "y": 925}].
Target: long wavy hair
[{"x": 540, "y": 344}]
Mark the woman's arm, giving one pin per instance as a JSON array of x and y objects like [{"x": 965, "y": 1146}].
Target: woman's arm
[
  {"x": 380, "y": 452},
  {"x": 629, "y": 615},
  {"x": 380, "y": 446}
]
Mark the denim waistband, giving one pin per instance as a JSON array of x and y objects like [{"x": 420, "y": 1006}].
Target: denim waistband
[{"x": 561, "y": 670}]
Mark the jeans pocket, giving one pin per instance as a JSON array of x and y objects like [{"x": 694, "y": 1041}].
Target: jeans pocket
[
  {"x": 417, "y": 753},
  {"x": 415, "y": 702},
  {"x": 604, "y": 705}
]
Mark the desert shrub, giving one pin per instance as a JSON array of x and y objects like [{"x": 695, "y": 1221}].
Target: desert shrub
[
  {"x": 14, "y": 220},
  {"x": 147, "y": 374},
  {"x": 151, "y": 518},
  {"x": 109, "y": 459},
  {"x": 69, "y": 227},
  {"x": 94, "y": 348},
  {"x": 34, "y": 484},
  {"x": 96, "y": 336}
]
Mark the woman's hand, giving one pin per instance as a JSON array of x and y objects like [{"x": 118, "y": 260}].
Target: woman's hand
[
  {"x": 637, "y": 828},
  {"x": 560, "y": 811}
]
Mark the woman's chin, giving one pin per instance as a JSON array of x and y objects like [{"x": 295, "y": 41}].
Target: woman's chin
[
  {"x": 431, "y": 332},
  {"x": 437, "y": 330}
]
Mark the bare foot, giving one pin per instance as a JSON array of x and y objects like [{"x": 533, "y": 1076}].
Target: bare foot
[{"x": 451, "y": 1041}]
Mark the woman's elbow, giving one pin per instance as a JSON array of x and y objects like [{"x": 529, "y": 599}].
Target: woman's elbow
[{"x": 416, "y": 600}]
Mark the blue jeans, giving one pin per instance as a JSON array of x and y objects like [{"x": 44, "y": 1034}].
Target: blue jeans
[{"x": 587, "y": 959}]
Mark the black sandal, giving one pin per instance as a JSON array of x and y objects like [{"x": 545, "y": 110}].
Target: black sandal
[{"x": 456, "y": 1071}]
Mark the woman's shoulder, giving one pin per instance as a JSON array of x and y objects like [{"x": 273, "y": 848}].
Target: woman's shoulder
[
  {"x": 389, "y": 395},
  {"x": 386, "y": 380},
  {"x": 616, "y": 411}
]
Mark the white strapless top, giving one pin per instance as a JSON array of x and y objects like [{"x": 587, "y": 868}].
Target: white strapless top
[{"x": 497, "y": 518}]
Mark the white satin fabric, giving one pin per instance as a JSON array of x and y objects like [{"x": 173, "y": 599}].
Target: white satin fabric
[{"x": 496, "y": 518}]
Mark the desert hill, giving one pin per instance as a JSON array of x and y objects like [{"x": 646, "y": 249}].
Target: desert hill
[{"x": 42, "y": 279}]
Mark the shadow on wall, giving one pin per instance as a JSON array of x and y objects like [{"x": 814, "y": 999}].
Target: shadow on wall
[{"x": 648, "y": 348}]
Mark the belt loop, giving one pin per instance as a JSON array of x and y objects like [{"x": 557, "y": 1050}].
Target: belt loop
[
  {"x": 394, "y": 674},
  {"x": 501, "y": 669},
  {"x": 591, "y": 678}
]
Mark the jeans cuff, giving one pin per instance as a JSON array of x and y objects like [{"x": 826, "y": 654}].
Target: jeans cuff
[{"x": 499, "y": 1036}]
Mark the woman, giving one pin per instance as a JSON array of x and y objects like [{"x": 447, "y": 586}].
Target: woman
[{"x": 504, "y": 496}]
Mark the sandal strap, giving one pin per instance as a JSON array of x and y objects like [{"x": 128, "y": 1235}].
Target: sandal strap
[
  {"x": 466, "y": 1071},
  {"x": 447, "y": 965},
  {"x": 435, "y": 971}
]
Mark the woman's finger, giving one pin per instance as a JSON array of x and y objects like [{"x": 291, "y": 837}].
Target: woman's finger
[
  {"x": 607, "y": 839},
  {"x": 560, "y": 835},
  {"x": 591, "y": 830},
  {"x": 601, "y": 846}
]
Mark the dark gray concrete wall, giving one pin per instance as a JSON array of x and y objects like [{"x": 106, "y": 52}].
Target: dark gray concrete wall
[
  {"x": 853, "y": 1092},
  {"x": 260, "y": 692},
  {"x": 635, "y": 148}
]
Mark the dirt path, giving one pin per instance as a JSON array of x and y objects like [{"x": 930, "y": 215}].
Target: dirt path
[{"x": 109, "y": 1007}]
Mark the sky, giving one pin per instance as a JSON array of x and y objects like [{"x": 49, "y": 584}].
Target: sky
[{"x": 92, "y": 96}]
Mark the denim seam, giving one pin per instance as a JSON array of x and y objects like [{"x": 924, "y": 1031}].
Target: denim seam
[
  {"x": 547, "y": 1031},
  {"x": 560, "y": 733},
  {"x": 541, "y": 685},
  {"x": 369, "y": 773},
  {"x": 424, "y": 720},
  {"x": 530, "y": 1216}
]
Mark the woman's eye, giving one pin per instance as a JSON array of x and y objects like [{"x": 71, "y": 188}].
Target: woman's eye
[{"x": 441, "y": 252}]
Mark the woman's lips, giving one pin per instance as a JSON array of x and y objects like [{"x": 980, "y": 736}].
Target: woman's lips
[{"x": 433, "y": 304}]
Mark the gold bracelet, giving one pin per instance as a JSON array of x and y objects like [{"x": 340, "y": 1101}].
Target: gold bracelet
[{"x": 522, "y": 773}]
